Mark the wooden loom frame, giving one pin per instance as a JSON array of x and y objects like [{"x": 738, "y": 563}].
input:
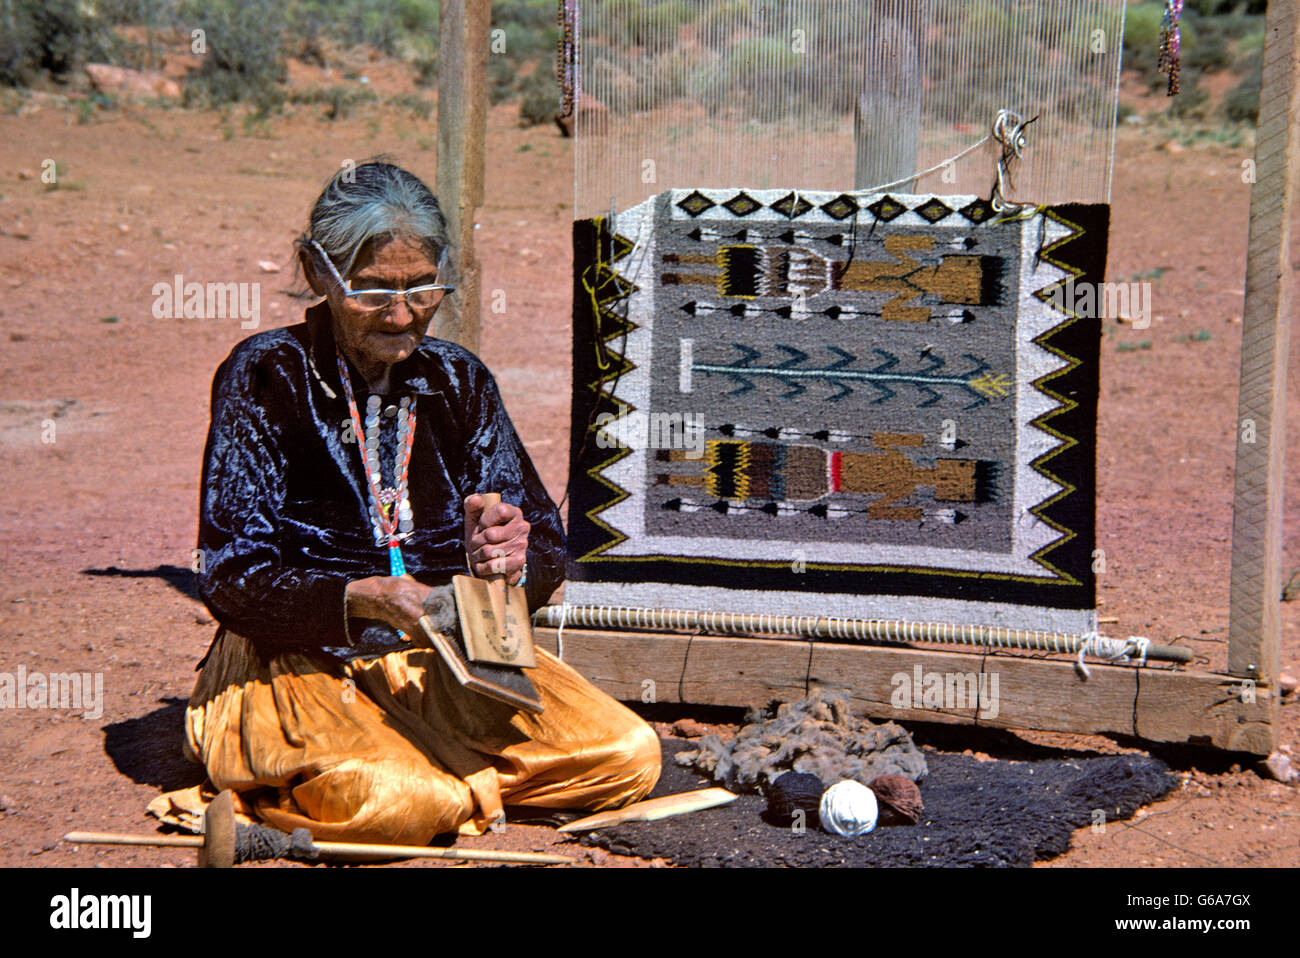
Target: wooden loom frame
[{"x": 1236, "y": 710}]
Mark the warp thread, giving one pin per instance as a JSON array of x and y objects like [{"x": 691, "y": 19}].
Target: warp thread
[
  {"x": 794, "y": 792},
  {"x": 259, "y": 843},
  {"x": 818, "y": 735}
]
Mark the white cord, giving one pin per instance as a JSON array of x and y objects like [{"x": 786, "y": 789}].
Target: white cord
[
  {"x": 1134, "y": 648},
  {"x": 1086, "y": 647},
  {"x": 559, "y": 633}
]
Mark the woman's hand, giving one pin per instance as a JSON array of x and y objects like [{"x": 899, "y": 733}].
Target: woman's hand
[
  {"x": 400, "y": 601},
  {"x": 496, "y": 539}
]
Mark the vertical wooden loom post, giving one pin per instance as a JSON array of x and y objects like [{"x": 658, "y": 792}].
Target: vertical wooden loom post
[
  {"x": 462, "y": 130},
  {"x": 1254, "y": 640},
  {"x": 887, "y": 120}
]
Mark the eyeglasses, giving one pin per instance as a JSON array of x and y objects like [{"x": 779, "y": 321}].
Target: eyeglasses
[{"x": 417, "y": 298}]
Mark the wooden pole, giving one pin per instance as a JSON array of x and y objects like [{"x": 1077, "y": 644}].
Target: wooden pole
[
  {"x": 462, "y": 129},
  {"x": 338, "y": 851},
  {"x": 1254, "y": 627},
  {"x": 887, "y": 121}
]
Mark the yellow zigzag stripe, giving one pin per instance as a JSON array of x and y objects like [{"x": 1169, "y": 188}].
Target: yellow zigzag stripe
[
  {"x": 1066, "y": 404},
  {"x": 608, "y": 281}
]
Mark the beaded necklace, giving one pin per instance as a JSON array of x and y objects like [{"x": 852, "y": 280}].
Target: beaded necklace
[{"x": 390, "y": 506}]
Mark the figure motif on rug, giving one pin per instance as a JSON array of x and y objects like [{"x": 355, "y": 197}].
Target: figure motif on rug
[
  {"x": 747, "y": 271},
  {"x": 744, "y": 470}
]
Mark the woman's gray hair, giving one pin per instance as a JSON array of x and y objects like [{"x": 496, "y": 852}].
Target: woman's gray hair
[{"x": 373, "y": 201}]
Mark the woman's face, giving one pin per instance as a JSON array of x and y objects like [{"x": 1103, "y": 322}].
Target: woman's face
[{"x": 383, "y": 336}]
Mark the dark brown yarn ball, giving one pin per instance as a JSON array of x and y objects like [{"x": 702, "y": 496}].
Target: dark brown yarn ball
[
  {"x": 794, "y": 791},
  {"x": 899, "y": 799}
]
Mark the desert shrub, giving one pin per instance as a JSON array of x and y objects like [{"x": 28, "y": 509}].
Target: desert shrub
[
  {"x": 710, "y": 86},
  {"x": 418, "y": 16},
  {"x": 661, "y": 23},
  {"x": 414, "y": 104},
  {"x": 502, "y": 78},
  {"x": 426, "y": 70},
  {"x": 719, "y": 22},
  {"x": 54, "y": 36},
  {"x": 986, "y": 22},
  {"x": 541, "y": 98},
  {"x": 1249, "y": 50},
  {"x": 654, "y": 26},
  {"x": 245, "y": 54},
  {"x": 341, "y": 100},
  {"x": 1241, "y": 105},
  {"x": 659, "y": 80},
  {"x": 1206, "y": 48},
  {"x": 1190, "y": 102},
  {"x": 529, "y": 14},
  {"x": 1142, "y": 33},
  {"x": 1208, "y": 8},
  {"x": 524, "y": 42},
  {"x": 766, "y": 56}
]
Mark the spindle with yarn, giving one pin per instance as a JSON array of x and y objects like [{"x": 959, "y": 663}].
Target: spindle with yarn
[
  {"x": 792, "y": 792},
  {"x": 849, "y": 808}
]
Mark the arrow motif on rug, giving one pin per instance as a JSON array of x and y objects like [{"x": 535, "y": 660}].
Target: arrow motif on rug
[{"x": 979, "y": 381}]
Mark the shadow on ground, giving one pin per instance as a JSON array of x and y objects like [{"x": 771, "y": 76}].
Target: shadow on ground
[
  {"x": 178, "y": 577},
  {"x": 147, "y": 749}
]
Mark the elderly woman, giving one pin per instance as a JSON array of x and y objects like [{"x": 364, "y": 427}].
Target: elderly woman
[{"x": 340, "y": 494}]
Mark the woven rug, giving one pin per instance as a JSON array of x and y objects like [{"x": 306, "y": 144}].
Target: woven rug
[
  {"x": 834, "y": 404},
  {"x": 989, "y": 814}
]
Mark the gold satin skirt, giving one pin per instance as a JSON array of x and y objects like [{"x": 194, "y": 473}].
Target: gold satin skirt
[{"x": 394, "y": 750}]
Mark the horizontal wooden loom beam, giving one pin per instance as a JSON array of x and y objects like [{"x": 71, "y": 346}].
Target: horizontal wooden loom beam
[
  {"x": 889, "y": 631},
  {"x": 1157, "y": 705}
]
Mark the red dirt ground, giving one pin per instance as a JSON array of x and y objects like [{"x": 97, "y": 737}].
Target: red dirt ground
[{"x": 146, "y": 193}]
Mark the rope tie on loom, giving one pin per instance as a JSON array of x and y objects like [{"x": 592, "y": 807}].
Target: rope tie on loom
[
  {"x": 1112, "y": 650},
  {"x": 1009, "y": 131}
]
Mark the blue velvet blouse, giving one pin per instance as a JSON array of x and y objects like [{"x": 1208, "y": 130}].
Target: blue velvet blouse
[{"x": 284, "y": 514}]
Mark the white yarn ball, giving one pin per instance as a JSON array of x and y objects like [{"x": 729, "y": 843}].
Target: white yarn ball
[{"x": 849, "y": 808}]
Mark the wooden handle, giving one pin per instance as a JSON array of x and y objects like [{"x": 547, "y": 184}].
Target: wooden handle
[
  {"x": 116, "y": 838},
  {"x": 497, "y": 580},
  {"x": 333, "y": 850},
  {"x": 490, "y": 499},
  {"x": 344, "y": 850}
]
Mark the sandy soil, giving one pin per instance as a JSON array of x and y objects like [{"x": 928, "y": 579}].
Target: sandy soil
[{"x": 97, "y": 527}]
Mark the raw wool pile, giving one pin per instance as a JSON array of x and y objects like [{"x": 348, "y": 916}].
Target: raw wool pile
[{"x": 818, "y": 735}]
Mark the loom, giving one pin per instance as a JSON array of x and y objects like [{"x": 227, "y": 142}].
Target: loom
[
  {"x": 790, "y": 136},
  {"x": 914, "y": 108}
]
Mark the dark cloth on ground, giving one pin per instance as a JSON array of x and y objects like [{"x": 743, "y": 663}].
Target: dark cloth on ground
[{"x": 992, "y": 813}]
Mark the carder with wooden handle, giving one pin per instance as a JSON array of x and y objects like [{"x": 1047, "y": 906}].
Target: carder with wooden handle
[{"x": 494, "y": 618}]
